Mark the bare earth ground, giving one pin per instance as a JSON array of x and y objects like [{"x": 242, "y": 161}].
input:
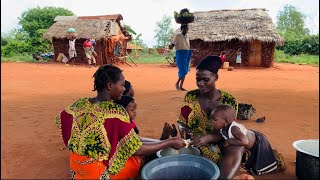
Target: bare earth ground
[{"x": 32, "y": 94}]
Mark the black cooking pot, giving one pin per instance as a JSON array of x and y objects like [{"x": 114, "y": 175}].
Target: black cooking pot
[{"x": 307, "y": 159}]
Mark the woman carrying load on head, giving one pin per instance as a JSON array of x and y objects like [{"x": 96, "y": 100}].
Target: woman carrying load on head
[{"x": 183, "y": 55}]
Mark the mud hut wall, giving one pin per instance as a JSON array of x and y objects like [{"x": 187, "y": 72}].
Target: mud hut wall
[
  {"x": 267, "y": 54},
  {"x": 62, "y": 46},
  {"x": 214, "y": 48}
]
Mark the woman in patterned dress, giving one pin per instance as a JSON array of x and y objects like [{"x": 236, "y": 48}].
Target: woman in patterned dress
[
  {"x": 199, "y": 103},
  {"x": 98, "y": 133}
]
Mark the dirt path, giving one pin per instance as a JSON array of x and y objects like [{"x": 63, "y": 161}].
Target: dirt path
[{"x": 32, "y": 94}]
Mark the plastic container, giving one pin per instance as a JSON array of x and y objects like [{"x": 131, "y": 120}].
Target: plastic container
[
  {"x": 183, "y": 166},
  {"x": 71, "y": 30},
  {"x": 170, "y": 151},
  {"x": 225, "y": 65},
  {"x": 307, "y": 159}
]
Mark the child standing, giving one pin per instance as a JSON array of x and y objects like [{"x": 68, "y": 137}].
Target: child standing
[
  {"x": 239, "y": 142},
  {"x": 87, "y": 46},
  {"x": 238, "y": 59},
  {"x": 223, "y": 57}
]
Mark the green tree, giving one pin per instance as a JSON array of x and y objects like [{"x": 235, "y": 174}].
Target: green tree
[
  {"x": 290, "y": 22},
  {"x": 38, "y": 18},
  {"x": 164, "y": 31}
]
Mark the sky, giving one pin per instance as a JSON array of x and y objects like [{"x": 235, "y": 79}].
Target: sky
[{"x": 142, "y": 15}]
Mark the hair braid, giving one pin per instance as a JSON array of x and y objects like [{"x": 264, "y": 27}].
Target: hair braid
[{"x": 105, "y": 74}]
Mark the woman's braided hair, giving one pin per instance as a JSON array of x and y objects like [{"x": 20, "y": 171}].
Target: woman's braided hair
[{"x": 105, "y": 74}]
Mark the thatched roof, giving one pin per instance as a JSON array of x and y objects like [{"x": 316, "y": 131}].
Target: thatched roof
[
  {"x": 96, "y": 29},
  {"x": 93, "y": 26},
  {"x": 105, "y": 17},
  {"x": 226, "y": 25},
  {"x": 65, "y": 18},
  {"x": 132, "y": 46}
]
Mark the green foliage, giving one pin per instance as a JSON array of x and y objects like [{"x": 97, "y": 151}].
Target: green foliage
[
  {"x": 291, "y": 26},
  {"x": 38, "y": 18},
  {"x": 291, "y": 20},
  {"x": 29, "y": 39},
  {"x": 130, "y": 30},
  {"x": 308, "y": 44},
  {"x": 24, "y": 57},
  {"x": 280, "y": 56},
  {"x": 164, "y": 31},
  {"x": 146, "y": 58}
]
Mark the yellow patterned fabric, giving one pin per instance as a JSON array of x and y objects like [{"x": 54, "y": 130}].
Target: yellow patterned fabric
[
  {"x": 100, "y": 131},
  {"x": 197, "y": 121}
]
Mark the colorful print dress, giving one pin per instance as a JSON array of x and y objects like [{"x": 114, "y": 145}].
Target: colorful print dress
[
  {"x": 196, "y": 120},
  {"x": 100, "y": 138}
]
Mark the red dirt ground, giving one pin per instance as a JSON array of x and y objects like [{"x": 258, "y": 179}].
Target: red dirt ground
[{"x": 32, "y": 94}]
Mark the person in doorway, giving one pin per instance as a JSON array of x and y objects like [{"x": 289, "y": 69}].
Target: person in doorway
[
  {"x": 223, "y": 57},
  {"x": 238, "y": 58}
]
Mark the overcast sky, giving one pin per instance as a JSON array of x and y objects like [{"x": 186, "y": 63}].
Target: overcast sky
[{"x": 142, "y": 15}]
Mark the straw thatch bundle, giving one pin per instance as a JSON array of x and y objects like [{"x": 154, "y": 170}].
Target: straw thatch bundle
[{"x": 226, "y": 25}]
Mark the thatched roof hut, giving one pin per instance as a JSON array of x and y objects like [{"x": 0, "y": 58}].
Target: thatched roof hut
[
  {"x": 251, "y": 30},
  {"x": 131, "y": 47},
  {"x": 106, "y": 30}
]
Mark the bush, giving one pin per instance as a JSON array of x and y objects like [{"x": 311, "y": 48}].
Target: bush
[{"x": 296, "y": 45}]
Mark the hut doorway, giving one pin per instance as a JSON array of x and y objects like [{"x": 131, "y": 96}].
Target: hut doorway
[{"x": 255, "y": 53}]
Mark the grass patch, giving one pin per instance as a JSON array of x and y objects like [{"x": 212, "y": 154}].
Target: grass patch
[
  {"x": 18, "y": 58},
  {"x": 280, "y": 56},
  {"x": 21, "y": 58},
  {"x": 149, "y": 59}
]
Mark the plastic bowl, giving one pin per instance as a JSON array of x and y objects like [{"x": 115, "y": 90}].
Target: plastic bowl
[
  {"x": 170, "y": 151},
  {"x": 182, "y": 166}
]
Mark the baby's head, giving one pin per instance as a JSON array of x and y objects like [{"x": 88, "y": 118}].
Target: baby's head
[
  {"x": 129, "y": 104},
  {"x": 222, "y": 115},
  {"x": 129, "y": 89}
]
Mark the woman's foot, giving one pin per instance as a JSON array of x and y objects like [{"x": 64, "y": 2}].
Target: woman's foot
[
  {"x": 182, "y": 89},
  {"x": 177, "y": 87},
  {"x": 166, "y": 131},
  {"x": 281, "y": 166},
  {"x": 174, "y": 131}
]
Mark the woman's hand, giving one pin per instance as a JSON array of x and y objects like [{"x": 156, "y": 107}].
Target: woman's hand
[
  {"x": 202, "y": 140},
  {"x": 184, "y": 131},
  {"x": 177, "y": 143}
]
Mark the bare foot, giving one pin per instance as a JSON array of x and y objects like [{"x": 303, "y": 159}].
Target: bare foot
[
  {"x": 183, "y": 89},
  {"x": 177, "y": 87},
  {"x": 174, "y": 131},
  {"x": 166, "y": 131}
]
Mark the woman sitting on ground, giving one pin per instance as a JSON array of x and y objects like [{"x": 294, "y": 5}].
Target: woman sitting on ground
[
  {"x": 198, "y": 104},
  {"x": 99, "y": 135}
]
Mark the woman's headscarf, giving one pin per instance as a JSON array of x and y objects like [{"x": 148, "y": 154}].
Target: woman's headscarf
[{"x": 210, "y": 63}]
